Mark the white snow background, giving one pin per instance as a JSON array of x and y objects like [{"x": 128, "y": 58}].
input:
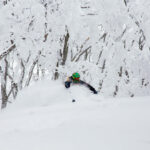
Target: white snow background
[{"x": 43, "y": 117}]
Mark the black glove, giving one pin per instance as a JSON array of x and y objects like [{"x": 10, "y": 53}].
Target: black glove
[
  {"x": 67, "y": 84},
  {"x": 95, "y": 92}
]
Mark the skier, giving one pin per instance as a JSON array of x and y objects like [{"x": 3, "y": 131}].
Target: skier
[{"x": 75, "y": 79}]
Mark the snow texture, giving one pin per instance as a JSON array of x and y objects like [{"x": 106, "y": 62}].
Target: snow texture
[
  {"x": 108, "y": 42},
  {"x": 43, "y": 117}
]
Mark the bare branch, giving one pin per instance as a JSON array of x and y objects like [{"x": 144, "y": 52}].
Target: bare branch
[
  {"x": 116, "y": 90},
  {"x": 82, "y": 53},
  {"x": 32, "y": 68},
  {"x": 8, "y": 51},
  {"x": 104, "y": 65},
  {"x": 100, "y": 54},
  {"x": 103, "y": 37},
  {"x": 22, "y": 74},
  {"x": 122, "y": 34},
  {"x": 78, "y": 51},
  {"x": 125, "y": 2}
]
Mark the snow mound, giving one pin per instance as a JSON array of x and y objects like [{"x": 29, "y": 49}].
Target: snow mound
[
  {"x": 43, "y": 117},
  {"x": 46, "y": 92}
]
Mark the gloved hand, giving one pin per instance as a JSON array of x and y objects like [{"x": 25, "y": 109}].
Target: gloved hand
[
  {"x": 95, "y": 92},
  {"x": 67, "y": 84}
]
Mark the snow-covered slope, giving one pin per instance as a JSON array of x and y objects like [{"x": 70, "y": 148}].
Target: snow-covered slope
[
  {"x": 44, "y": 118},
  {"x": 108, "y": 43}
]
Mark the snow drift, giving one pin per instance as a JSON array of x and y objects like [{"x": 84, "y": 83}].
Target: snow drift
[{"x": 44, "y": 117}]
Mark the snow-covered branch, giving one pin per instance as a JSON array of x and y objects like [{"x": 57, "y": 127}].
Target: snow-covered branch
[{"x": 7, "y": 52}]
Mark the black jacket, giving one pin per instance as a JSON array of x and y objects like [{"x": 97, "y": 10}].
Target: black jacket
[{"x": 70, "y": 80}]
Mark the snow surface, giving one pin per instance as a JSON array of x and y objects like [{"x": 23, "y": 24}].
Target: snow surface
[
  {"x": 44, "y": 118},
  {"x": 115, "y": 36}
]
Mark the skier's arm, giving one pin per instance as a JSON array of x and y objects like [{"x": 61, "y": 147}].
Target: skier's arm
[
  {"x": 89, "y": 86},
  {"x": 92, "y": 89}
]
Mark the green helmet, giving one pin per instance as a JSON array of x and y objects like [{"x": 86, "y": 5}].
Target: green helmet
[{"x": 76, "y": 76}]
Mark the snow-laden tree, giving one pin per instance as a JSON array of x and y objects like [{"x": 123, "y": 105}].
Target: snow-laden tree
[{"x": 107, "y": 42}]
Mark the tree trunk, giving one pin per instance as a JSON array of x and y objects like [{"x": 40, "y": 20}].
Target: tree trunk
[
  {"x": 65, "y": 49},
  {"x": 32, "y": 69},
  {"x": 4, "y": 84}
]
